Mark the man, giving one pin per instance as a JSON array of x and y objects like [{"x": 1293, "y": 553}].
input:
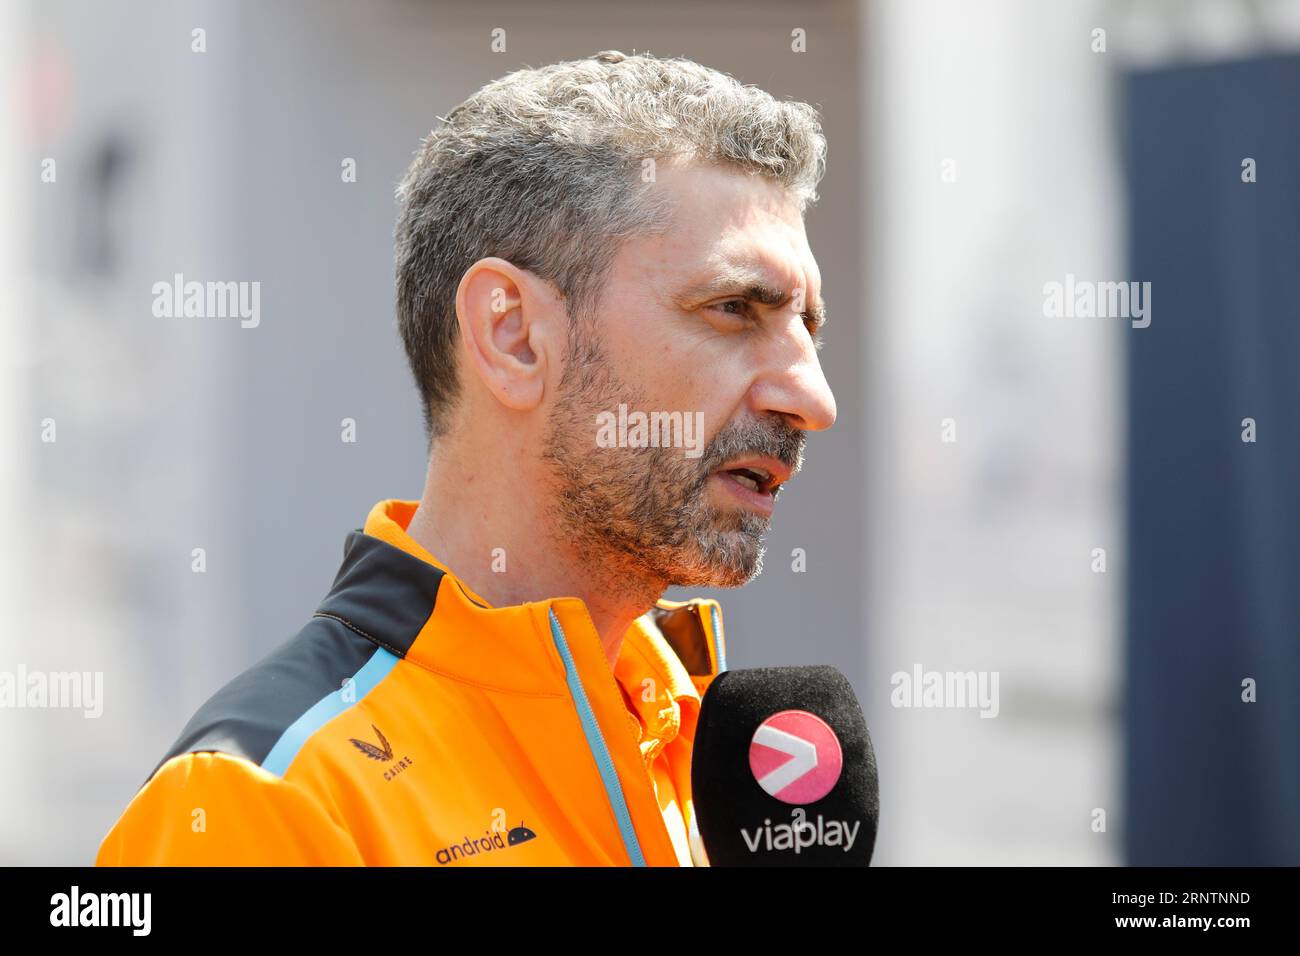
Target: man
[{"x": 610, "y": 308}]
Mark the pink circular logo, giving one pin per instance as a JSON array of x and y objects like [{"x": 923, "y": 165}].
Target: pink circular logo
[{"x": 795, "y": 756}]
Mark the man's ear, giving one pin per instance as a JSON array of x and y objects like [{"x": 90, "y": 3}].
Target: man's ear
[{"x": 506, "y": 316}]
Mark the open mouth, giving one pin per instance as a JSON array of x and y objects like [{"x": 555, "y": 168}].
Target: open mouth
[{"x": 755, "y": 479}]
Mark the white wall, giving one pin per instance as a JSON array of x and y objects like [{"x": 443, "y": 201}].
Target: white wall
[{"x": 980, "y": 549}]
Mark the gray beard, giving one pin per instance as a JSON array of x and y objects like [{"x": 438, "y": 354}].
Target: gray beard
[{"x": 642, "y": 514}]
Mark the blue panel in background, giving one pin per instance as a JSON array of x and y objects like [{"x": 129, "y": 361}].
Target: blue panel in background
[{"x": 1213, "y": 573}]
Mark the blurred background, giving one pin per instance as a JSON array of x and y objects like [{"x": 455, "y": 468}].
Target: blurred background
[{"x": 1065, "y": 501}]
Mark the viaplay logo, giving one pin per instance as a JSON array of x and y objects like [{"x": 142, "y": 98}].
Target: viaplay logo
[{"x": 796, "y": 757}]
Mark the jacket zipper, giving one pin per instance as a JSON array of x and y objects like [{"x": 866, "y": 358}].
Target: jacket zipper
[
  {"x": 716, "y": 629},
  {"x": 596, "y": 744}
]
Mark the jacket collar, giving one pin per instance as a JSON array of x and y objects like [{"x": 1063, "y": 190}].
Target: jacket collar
[{"x": 397, "y": 594}]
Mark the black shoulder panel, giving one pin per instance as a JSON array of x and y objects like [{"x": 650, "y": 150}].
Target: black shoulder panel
[
  {"x": 383, "y": 592},
  {"x": 382, "y": 597}
]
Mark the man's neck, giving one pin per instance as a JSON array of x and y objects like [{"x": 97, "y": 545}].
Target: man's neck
[{"x": 483, "y": 525}]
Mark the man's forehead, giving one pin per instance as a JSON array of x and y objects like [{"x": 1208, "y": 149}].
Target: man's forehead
[
  {"x": 721, "y": 213},
  {"x": 736, "y": 233}
]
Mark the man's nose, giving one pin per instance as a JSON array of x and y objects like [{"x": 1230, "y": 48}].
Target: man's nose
[{"x": 796, "y": 388}]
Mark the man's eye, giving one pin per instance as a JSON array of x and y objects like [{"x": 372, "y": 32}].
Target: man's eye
[{"x": 734, "y": 307}]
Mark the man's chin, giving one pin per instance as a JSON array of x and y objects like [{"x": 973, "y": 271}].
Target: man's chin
[{"x": 738, "y": 563}]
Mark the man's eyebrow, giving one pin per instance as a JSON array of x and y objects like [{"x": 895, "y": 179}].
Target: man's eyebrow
[{"x": 752, "y": 284}]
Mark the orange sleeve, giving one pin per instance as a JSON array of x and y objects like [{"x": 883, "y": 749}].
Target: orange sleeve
[{"x": 214, "y": 809}]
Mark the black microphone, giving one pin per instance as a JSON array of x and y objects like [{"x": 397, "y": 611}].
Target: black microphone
[{"x": 782, "y": 770}]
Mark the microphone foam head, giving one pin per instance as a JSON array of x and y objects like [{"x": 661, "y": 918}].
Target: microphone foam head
[{"x": 783, "y": 772}]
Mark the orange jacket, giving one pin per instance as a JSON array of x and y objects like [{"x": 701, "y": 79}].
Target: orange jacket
[{"x": 409, "y": 722}]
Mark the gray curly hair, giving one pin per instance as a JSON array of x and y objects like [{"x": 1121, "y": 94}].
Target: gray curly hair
[{"x": 541, "y": 167}]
